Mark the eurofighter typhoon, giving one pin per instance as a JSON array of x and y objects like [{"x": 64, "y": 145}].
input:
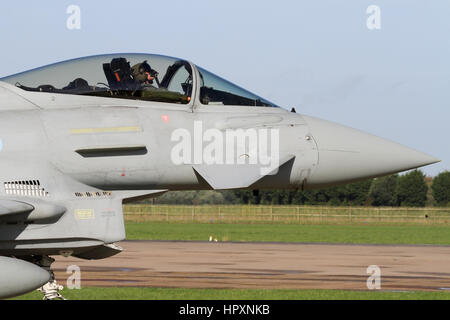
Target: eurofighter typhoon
[{"x": 79, "y": 138}]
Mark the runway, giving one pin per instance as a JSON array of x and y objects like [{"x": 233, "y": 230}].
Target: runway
[{"x": 174, "y": 264}]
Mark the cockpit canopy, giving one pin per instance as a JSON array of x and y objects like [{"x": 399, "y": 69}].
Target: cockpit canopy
[{"x": 134, "y": 76}]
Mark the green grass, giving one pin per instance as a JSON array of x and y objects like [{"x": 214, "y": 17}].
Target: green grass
[
  {"x": 93, "y": 293},
  {"x": 357, "y": 234},
  {"x": 295, "y": 214}
]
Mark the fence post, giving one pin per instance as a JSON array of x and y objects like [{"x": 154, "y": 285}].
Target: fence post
[{"x": 193, "y": 213}]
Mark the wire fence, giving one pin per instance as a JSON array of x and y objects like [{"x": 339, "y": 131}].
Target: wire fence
[{"x": 283, "y": 214}]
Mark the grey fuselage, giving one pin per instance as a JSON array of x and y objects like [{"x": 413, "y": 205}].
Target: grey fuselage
[
  {"x": 68, "y": 161},
  {"x": 73, "y": 159}
]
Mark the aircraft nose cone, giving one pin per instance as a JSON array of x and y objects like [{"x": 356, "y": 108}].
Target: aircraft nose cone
[{"x": 347, "y": 154}]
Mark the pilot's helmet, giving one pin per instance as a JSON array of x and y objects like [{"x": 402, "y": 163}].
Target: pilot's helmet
[{"x": 142, "y": 72}]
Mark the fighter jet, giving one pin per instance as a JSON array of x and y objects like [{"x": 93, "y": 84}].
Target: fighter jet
[{"x": 81, "y": 137}]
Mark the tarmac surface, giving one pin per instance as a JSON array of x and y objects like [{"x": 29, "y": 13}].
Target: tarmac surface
[{"x": 178, "y": 264}]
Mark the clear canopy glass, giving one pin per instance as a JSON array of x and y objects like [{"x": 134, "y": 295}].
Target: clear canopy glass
[
  {"x": 134, "y": 76},
  {"x": 130, "y": 76},
  {"x": 215, "y": 90}
]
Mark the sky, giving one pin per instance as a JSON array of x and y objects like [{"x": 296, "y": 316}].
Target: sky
[{"x": 317, "y": 56}]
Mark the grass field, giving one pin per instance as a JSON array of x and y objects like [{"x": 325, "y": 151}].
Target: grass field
[
  {"x": 92, "y": 293},
  {"x": 287, "y": 214},
  {"x": 356, "y": 234}
]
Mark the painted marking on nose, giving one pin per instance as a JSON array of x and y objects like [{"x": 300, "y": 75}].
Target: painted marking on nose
[{"x": 106, "y": 130}]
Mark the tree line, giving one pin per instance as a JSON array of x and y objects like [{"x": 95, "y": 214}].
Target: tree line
[{"x": 412, "y": 189}]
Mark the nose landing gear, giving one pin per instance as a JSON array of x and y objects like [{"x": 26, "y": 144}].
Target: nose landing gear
[{"x": 51, "y": 289}]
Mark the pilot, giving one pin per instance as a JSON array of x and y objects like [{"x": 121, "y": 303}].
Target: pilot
[{"x": 144, "y": 75}]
